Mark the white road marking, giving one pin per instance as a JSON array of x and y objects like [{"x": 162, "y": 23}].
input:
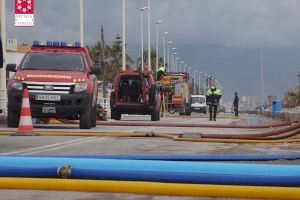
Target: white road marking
[{"x": 51, "y": 146}]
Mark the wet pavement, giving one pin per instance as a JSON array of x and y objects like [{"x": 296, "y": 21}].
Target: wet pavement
[{"x": 54, "y": 145}]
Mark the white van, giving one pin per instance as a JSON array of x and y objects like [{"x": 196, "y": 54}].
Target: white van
[{"x": 198, "y": 103}]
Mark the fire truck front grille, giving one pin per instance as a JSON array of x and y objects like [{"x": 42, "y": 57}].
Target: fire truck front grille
[{"x": 49, "y": 87}]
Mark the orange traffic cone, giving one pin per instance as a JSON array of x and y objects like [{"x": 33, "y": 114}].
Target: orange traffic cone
[{"x": 25, "y": 124}]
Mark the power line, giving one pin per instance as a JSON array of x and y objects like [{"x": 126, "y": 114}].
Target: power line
[{"x": 229, "y": 60}]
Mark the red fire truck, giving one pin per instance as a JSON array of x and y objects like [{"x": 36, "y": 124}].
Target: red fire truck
[{"x": 61, "y": 81}]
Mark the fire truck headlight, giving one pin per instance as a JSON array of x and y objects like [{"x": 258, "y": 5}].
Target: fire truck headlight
[
  {"x": 79, "y": 87},
  {"x": 17, "y": 85}
]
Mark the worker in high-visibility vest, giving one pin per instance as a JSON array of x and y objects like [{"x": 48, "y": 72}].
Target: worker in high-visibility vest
[
  {"x": 161, "y": 71},
  {"x": 213, "y": 97}
]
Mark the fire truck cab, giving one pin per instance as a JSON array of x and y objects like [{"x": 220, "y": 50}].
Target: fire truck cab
[{"x": 61, "y": 81}]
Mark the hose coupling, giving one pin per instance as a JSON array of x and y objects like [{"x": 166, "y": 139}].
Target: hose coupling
[{"x": 64, "y": 171}]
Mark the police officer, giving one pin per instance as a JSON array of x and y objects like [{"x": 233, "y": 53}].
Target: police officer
[
  {"x": 236, "y": 104},
  {"x": 213, "y": 97},
  {"x": 161, "y": 71}
]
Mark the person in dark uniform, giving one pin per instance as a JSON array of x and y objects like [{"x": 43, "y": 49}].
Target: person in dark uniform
[
  {"x": 236, "y": 104},
  {"x": 213, "y": 97}
]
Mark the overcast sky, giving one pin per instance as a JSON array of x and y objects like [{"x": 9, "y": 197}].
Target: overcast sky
[
  {"x": 232, "y": 23},
  {"x": 224, "y": 28}
]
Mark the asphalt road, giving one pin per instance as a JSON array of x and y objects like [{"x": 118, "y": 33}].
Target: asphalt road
[{"x": 60, "y": 145}]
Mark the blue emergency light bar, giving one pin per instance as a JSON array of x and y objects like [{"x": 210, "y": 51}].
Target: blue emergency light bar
[{"x": 56, "y": 44}]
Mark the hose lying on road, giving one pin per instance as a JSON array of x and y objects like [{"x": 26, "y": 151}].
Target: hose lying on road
[
  {"x": 186, "y": 157},
  {"x": 154, "y": 166},
  {"x": 174, "y": 137},
  {"x": 150, "y": 176},
  {"x": 167, "y": 124},
  {"x": 254, "y": 135},
  {"x": 171, "y": 189}
]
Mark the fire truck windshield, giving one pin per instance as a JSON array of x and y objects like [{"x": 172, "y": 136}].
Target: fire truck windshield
[{"x": 52, "y": 61}]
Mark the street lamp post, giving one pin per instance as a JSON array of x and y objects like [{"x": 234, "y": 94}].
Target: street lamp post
[
  {"x": 164, "y": 47},
  {"x": 176, "y": 65},
  {"x": 200, "y": 82},
  {"x": 185, "y": 67},
  {"x": 261, "y": 80},
  {"x": 173, "y": 60},
  {"x": 180, "y": 68},
  {"x": 142, "y": 37},
  {"x": 194, "y": 91},
  {"x": 168, "y": 51},
  {"x": 123, "y": 36},
  {"x": 157, "y": 23},
  {"x": 174, "y": 57},
  {"x": 149, "y": 35},
  {"x": 81, "y": 21},
  {"x": 3, "y": 97}
]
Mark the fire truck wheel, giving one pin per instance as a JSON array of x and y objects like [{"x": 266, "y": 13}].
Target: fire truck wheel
[
  {"x": 155, "y": 116},
  {"x": 12, "y": 119},
  {"x": 153, "y": 94},
  {"x": 94, "y": 117},
  {"x": 86, "y": 118}
]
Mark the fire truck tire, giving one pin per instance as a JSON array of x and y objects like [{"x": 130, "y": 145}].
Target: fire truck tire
[
  {"x": 94, "y": 117},
  {"x": 155, "y": 116},
  {"x": 188, "y": 111},
  {"x": 115, "y": 115},
  {"x": 86, "y": 118},
  {"x": 153, "y": 94},
  {"x": 12, "y": 119}
]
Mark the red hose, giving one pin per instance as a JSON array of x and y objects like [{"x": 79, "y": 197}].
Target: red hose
[
  {"x": 164, "y": 124},
  {"x": 254, "y": 135}
]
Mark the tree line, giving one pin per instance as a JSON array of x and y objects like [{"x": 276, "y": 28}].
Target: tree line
[{"x": 109, "y": 57}]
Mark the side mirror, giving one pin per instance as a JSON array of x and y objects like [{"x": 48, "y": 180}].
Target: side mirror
[
  {"x": 95, "y": 70},
  {"x": 11, "y": 67}
]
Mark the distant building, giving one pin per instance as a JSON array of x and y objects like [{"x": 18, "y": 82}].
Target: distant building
[{"x": 14, "y": 53}]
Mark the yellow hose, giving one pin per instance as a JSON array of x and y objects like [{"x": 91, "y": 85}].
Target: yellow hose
[
  {"x": 158, "y": 135},
  {"x": 238, "y": 141},
  {"x": 153, "y": 188}
]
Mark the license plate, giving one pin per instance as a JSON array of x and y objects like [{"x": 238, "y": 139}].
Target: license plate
[
  {"x": 40, "y": 97},
  {"x": 49, "y": 110}
]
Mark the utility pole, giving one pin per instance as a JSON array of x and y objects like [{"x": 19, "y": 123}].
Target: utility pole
[
  {"x": 3, "y": 99},
  {"x": 102, "y": 60},
  {"x": 157, "y": 31},
  {"x": 142, "y": 37},
  {"x": 81, "y": 21},
  {"x": 261, "y": 79},
  {"x": 123, "y": 35},
  {"x": 149, "y": 35}
]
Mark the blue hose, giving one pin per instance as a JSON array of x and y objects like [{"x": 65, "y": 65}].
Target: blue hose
[
  {"x": 154, "y": 166},
  {"x": 195, "y": 178},
  {"x": 50, "y": 172},
  {"x": 166, "y": 177},
  {"x": 188, "y": 157}
]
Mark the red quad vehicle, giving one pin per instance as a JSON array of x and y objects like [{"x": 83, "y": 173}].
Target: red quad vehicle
[
  {"x": 135, "y": 92},
  {"x": 61, "y": 82}
]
